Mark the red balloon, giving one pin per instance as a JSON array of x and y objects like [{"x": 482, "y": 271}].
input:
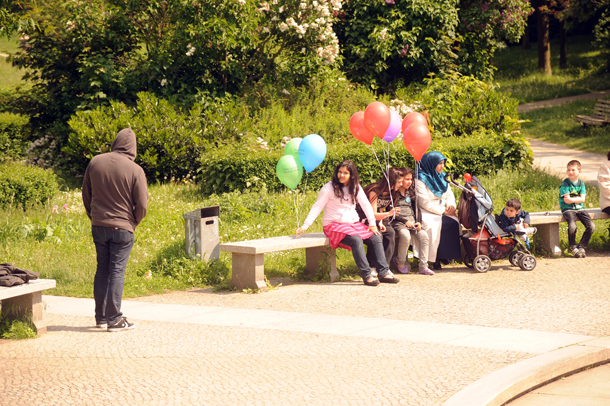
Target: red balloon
[
  {"x": 359, "y": 130},
  {"x": 413, "y": 117},
  {"x": 467, "y": 177},
  {"x": 377, "y": 118},
  {"x": 417, "y": 140}
]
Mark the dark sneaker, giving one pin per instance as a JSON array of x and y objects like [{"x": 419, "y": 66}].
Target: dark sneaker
[
  {"x": 576, "y": 252},
  {"x": 583, "y": 254},
  {"x": 101, "y": 325},
  {"x": 121, "y": 325}
]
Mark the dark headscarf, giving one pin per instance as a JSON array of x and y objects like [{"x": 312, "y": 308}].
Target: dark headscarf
[{"x": 435, "y": 181}]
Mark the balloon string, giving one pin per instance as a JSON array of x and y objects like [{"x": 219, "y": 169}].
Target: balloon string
[
  {"x": 296, "y": 206},
  {"x": 386, "y": 178},
  {"x": 303, "y": 194}
]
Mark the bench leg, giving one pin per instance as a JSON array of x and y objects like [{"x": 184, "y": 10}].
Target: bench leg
[
  {"x": 29, "y": 305},
  {"x": 248, "y": 271},
  {"x": 322, "y": 258},
  {"x": 549, "y": 237}
]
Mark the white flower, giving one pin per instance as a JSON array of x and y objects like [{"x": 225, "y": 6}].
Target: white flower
[
  {"x": 266, "y": 30},
  {"x": 264, "y": 7},
  {"x": 241, "y": 2},
  {"x": 70, "y": 26},
  {"x": 274, "y": 18},
  {"x": 303, "y": 5},
  {"x": 291, "y": 23},
  {"x": 283, "y": 27},
  {"x": 163, "y": 82},
  {"x": 191, "y": 50},
  {"x": 314, "y": 25},
  {"x": 281, "y": 9},
  {"x": 286, "y": 91},
  {"x": 383, "y": 34},
  {"x": 301, "y": 29},
  {"x": 303, "y": 50}
]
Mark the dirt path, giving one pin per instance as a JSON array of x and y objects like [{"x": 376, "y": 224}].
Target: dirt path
[{"x": 524, "y": 108}]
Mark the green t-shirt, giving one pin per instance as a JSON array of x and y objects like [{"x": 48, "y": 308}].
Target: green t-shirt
[{"x": 574, "y": 189}]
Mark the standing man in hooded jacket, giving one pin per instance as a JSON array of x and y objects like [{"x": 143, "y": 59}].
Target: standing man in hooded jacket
[{"x": 115, "y": 196}]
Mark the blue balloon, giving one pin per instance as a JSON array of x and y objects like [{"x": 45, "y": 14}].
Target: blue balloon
[{"x": 312, "y": 151}]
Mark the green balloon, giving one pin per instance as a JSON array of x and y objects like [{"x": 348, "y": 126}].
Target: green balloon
[
  {"x": 292, "y": 148},
  {"x": 290, "y": 171}
]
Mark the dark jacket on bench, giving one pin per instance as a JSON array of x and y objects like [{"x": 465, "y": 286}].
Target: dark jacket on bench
[
  {"x": 10, "y": 275},
  {"x": 507, "y": 224}
]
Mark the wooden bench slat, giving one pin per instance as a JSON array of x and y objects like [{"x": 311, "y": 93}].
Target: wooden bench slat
[{"x": 600, "y": 116}]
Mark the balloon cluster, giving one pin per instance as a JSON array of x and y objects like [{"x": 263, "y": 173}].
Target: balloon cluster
[
  {"x": 299, "y": 154},
  {"x": 378, "y": 120}
]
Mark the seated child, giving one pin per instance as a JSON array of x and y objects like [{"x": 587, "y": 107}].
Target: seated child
[
  {"x": 572, "y": 193},
  {"x": 405, "y": 225},
  {"x": 516, "y": 221}
]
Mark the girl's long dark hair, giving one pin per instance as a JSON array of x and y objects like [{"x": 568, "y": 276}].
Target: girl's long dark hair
[
  {"x": 354, "y": 182},
  {"x": 381, "y": 187}
]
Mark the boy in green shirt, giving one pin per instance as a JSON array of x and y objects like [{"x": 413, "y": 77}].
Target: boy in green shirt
[{"x": 572, "y": 193}]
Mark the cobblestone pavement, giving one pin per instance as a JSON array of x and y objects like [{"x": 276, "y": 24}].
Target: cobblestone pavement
[
  {"x": 187, "y": 364},
  {"x": 163, "y": 363},
  {"x": 563, "y": 295}
]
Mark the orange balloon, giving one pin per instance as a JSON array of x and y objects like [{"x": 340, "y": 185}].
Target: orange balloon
[
  {"x": 377, "y": 118},
  {"x": 359, "y": 130},
  {"x": 417, "y": 140},
  {"x": 413, "y": 117}
]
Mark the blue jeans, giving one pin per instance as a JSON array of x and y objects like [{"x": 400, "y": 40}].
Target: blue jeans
[
  {"x": 375, "y": 244},
  {"x": 571, "y": 216},
  {"x": 113, "y": 246}
]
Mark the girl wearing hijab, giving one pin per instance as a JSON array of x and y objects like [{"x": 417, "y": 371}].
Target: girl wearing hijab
[{"x": 437, "y": 204}]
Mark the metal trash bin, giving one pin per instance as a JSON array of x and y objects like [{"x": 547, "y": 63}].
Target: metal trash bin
[{"x": 201, "y": 233}]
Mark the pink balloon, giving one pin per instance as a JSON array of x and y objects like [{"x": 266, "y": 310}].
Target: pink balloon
[
  {"x": 413, "y": 117},
  {"x": 377, "y": 118},
  {"x": 358, "y": 129},
  {"x": 417, "y": 140},
  {"x": 394, "y": 128}
]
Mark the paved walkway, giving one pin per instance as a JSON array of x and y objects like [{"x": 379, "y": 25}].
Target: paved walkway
[
  {"x": 524, "y": 108},
  {"x": 421, "y": 342},
  {"x": 554, "y": 158}
]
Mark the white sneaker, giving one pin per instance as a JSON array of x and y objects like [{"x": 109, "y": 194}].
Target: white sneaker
[{"x": 374, "y": 272}]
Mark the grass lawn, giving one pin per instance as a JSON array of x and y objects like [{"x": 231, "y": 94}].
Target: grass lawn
[
  {"x": 9, "y": 75},
  {"x": 67, "y": 253},
  {"x": 556, "y": 125},
  {"x": 518, "y": 71}
]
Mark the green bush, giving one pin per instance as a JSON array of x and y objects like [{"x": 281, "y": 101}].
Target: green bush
[
  {"x": 12, "y": 128},
  {"x": 248, "y": 167},
  {"x": 26, "y": 185},
  {"x": 169, "y": 139},
  {"x": 459, "y": 105}
]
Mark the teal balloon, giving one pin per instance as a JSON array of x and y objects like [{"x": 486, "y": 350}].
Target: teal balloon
[
  {"x": 289, "y": 170},
  {"x": 312, "y": 151},
  {"x": 292, "y": 148}
]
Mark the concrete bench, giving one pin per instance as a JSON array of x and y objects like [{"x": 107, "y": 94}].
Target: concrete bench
[
  {"x": 26, "y": 301},
  {"x": 547, "y": 224},
  {"x": 249, "y": 257}
]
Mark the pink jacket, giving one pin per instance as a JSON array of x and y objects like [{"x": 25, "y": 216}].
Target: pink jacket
[{"x": 338, "y": 210}]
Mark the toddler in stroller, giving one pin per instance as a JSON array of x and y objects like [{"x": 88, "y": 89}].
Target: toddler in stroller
[{"x": 486, "y": 241}]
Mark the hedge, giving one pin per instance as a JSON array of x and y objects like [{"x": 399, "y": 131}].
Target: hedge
[
  {"x": 26, "y": 185},
  {"x": 12, "y": 129},
  {"x": 235, "y": 167}
]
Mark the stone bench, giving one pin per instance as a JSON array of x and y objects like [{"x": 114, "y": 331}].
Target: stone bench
[
  {"x": 547, "y": 224},
  {"x": 249, "y": 257},
  {"x": 26, "y": 301}
]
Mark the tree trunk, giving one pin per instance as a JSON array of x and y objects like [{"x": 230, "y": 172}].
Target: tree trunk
[
  {"x": 563, "y": 47},
  {"x": 526, "y": 38},
  {"x": 544, "y": 46}
]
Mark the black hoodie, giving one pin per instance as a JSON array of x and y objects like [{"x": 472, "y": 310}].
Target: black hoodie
[{"x": 115, "y": 192}]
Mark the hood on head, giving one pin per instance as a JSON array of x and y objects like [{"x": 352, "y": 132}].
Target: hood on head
[{"x": 125, "y": 143}]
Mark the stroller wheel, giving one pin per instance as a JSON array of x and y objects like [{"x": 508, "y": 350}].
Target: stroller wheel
[
  {"x": 515, "y": 258},
  {"x": 527, "y": 262},
  {"x": 467, "y": 260},
  {"x": 481, "y": 263}
]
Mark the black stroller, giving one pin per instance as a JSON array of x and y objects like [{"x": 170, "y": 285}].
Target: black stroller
[{"x": 487, "y": 242}]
